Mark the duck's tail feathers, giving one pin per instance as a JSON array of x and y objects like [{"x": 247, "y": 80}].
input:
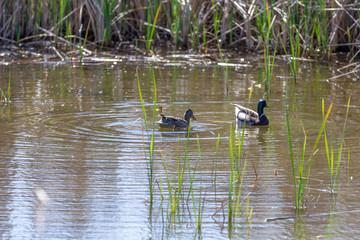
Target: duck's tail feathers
[{"x": 237, "y": 110}]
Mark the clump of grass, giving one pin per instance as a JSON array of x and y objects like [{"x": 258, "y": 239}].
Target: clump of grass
[
  {"x": 334, "y": 172},
  {"x": 236, "y": 178},
  {"x": 301, "y": 182},
  {"x": 265, "y": 22},
  {"x": 173, "y": 200},
  {"x": 236, "y": 171},
  {"x": 173, "y": 195}
]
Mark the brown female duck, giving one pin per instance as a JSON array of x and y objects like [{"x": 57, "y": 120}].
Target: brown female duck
[{"x": 174, "y": 122}]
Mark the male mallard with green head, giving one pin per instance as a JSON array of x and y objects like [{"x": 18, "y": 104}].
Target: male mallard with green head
[
  {"x": 250, "y": 117},
  {"x": 174, "y": 122}
]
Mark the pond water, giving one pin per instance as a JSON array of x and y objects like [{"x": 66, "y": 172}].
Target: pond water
[{"x": 75, "y": 151}]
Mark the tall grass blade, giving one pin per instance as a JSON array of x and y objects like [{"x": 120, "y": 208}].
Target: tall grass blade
[
  {"x": 84, "y": 44},
  {"x": 8, "y": 89},
  {"x": 231, "y": 180},
  {"x": 151, "y": 138},
  {"x": 141, "y": 98},
  {"x": 317, "y": 140},
  {"x": 171, "y": 195},
  {"x": 239, "y": 189},
  {"x": 291, "y": 155},
  {"x": 148, "y": 42}
]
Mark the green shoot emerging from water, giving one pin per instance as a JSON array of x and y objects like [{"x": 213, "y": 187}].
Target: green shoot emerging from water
[
  {"x": 301, "y": 183},
  {"x": 150, "y": 137},
  {"x": 334, "y": 173}
]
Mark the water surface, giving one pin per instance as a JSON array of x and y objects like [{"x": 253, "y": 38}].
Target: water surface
[{"x": 77, "y": 134}]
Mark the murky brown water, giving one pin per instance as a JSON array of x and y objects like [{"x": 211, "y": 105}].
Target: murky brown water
[{"x": 77, "y": 134}]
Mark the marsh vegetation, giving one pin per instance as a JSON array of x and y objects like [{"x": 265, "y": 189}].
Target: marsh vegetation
[{"x": 314, "y": 29}]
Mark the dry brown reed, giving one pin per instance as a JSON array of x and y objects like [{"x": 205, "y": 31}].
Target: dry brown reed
[{"x": 323, "y": 26}]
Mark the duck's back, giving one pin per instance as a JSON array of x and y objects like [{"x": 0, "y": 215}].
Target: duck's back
[{"x": 172, "y": 122}]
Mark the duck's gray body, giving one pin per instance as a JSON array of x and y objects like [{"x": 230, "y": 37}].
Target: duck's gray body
[{"x": 249, "y": 117}]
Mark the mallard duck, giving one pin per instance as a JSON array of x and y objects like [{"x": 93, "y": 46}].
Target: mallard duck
[
  {"x": 250, "y": 117},
  {"x": 174, "y": 122}
]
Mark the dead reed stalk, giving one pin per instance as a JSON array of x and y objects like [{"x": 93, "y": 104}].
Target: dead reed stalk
[{"x": 323, "y": 26}]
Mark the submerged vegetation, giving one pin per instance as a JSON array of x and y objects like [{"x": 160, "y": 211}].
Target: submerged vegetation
[
  {"x": 5, "y": 96},
  {"x": 303, "y": 28}
]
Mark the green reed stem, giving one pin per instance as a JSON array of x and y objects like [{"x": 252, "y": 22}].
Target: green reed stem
[
  {"x": 221, "y": 57},
  {"x": 84, "y": 44},
  {"x": 151, "y": 149},
  {"x": 171, "y": 195},
  {"x": 216, "y": 20},
  {"x": 197, "y": 215},
  {"x": 240, "y": 187},
  {"x": 151, "y": 35},
  {"x": 2, "y": 95},
  {"x": 216, "y": 158},
  {"x": 141, "y": 98},
  {"x": 342, "y": 138},
  {"x": 348, "y": 165},
  {"x": 301, "y": 172},
  {"x": 176, "y": 11},
  {"x": 248, "y": 208},
  {"x": 204, "y": 34},
  {"x": 291, "y": 156},
  {"x": 317, "y": 141},
  {"x": 200, "y": 210},
  {"x": 191, "y": 176},
  {"x": 301, "y": 185},
  {"x": 7, "y": 96},
  {"x": 269, "y": 63},
  {"x": 8, "y": 89},
  {"x": 161, "y": 199},
  {"x": 232, "y": 172},
  {"x": 331, "y": 158},
  {"x": 231, "y": 23}
]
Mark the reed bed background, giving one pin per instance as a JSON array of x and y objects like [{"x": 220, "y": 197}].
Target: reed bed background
[{"x": 315, "y": 28}]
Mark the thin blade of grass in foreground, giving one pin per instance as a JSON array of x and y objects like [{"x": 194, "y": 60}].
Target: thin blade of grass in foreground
[
  {"x": 8, "y": 89},
  {"x": 291, "y": 155},
  {"x": 171, "y": 197},
  {"x": 231, "y": 180},
  {"x": 141, "y": 98},
  {"x": 342, "y": 138},
  {"x": 151, "y": 137}
]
